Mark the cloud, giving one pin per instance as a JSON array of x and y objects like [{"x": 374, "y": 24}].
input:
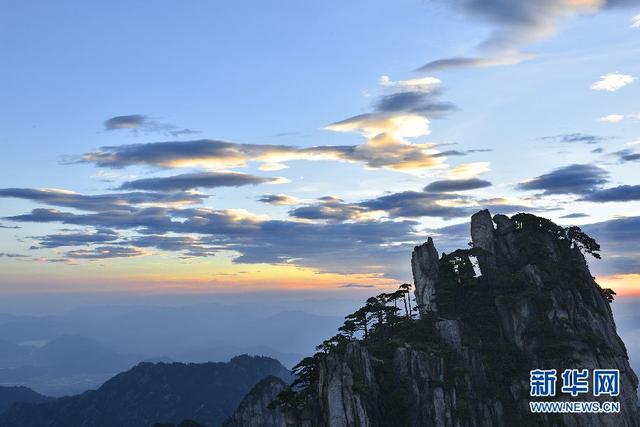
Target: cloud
[
  {"x": 572, "y": 179},
  {"x": 619, "y": 241},
  {"x": 278, "y": 199},
  {"x": 185, "y": 131},
  {"x": 214, "y": 154},
  {"x": 621, "y": 193},
  {"x": 403, "y": 111},
  {"x": 480, "y": 150},
  {"x": 105, "y": 252},
  {"x": 515, "y": 24},
  {"x": 12, "y": 255},
  {"x": 190, "y": 246},
  {"x": 414, "y": 204},
  {"x": 635, "y": 21},
  {"x": 140, "y": 122},
  {"x": 615, "y": 118},
  {"x": 507, "y": 58},
  {"x": 575, "y": 138},
  {"x": 627, "y": 155},
  {"x": 357, "y": 285},
  {"x": 575, "y": 215},
  {"x": 133, "y": 121},
  {"x": 190, "y": 181},
  {"x": 14, "y": 227},
  {"x": 330, "y": 234},
  {"x": 453, "y": 185},
  {"x": 270, "y": 167},
  {"x": 407, "y": 204},
  {"x": 81, "y": 238},
  {"x": 367, "y": 247},
  {"x": 414, "y": 96},
  {"x": 332, "y": 209},
  {"x": 612, "y": 82},
  {"x": 100, "y": 202},
  {"x": 468, "y": 170}
]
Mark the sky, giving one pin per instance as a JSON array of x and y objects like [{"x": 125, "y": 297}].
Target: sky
[{"x": 247, "y": 146}]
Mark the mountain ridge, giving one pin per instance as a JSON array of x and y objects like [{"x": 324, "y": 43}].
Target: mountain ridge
[{"x": 154, "y": 393}]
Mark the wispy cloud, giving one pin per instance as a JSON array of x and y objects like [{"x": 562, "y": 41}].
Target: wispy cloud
[
  {"x": 105, "y": 252},
  {"x": 9, "y": 226},
  {"x": 575, "y": 215},
  {"x": 626, "y": 155},
  {"x": 635, "y": 21},
  {"x": 621, "y": 193},
  {"x": 468, "y": 170},
  {"x": 453, "y": 185},
  {"x": 572, "y": 179},
  {"x": 76, "y": 238},
  {"x": 100, "y": 202},
  {"x": 12, "y": 255},
  {"x": 515, "y": 24},
  {"x": 141, "y": 123},
  {"x": 575, "y": 138},
  {"x": 612, "y": 82},
  {"x": 332, "y": 209},
  {"x": 615, "y": 118},
  {"x": 216, "y": 155},
  {"x": 130, "y": 122},
  {"x": 278, "y": 199},
  {"x": 190, "y": 181},
  {"x": 505, "y": 58}
]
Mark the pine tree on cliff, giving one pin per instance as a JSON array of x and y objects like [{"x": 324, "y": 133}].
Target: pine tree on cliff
[
  {"x": 361, "y": 318},
  {"x": 405, "y": 288}
]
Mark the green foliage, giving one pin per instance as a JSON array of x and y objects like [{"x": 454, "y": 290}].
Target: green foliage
[
  {"x": 583, "y": 241},
  {"x": 573, "y": 236},
  {"x": 608, "y": 294}
]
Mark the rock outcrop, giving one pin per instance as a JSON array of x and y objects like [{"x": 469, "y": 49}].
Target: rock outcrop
[
  {"x": 254, "y": 409},
  {"x": 521, "y": 298}
]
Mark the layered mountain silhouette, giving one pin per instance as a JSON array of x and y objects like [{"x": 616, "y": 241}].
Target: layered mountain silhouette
[
  {"x": 11, "y": 395},
  {"x": 150, "y": 393},
  {"x": 78, "y": 350}
]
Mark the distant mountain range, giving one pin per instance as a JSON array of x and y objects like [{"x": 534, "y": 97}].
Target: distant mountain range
[
  {"x": 68, "y": 364},
  {"x": 11, "y": 395},
  {"x": 79, "y": 350},
  {"x": 147, "y": 394}
]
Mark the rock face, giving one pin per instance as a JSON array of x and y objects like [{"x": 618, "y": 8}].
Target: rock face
[
  {"x": 254, "y": 409},
  {"x": 424, "y": 264},
  {"x": 521, "y": 298}
]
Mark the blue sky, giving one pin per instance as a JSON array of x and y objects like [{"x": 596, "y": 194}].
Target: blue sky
[{"x": 280, "y": 85}]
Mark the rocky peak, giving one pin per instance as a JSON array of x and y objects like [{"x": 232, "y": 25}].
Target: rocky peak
[
  {"x": 520, "y": 298},
  {"x": 424, "y": 264},
  {"x": 255, "y": 407}
]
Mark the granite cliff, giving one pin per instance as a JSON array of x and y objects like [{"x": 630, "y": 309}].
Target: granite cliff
[{"x": 521, "y": 297}]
